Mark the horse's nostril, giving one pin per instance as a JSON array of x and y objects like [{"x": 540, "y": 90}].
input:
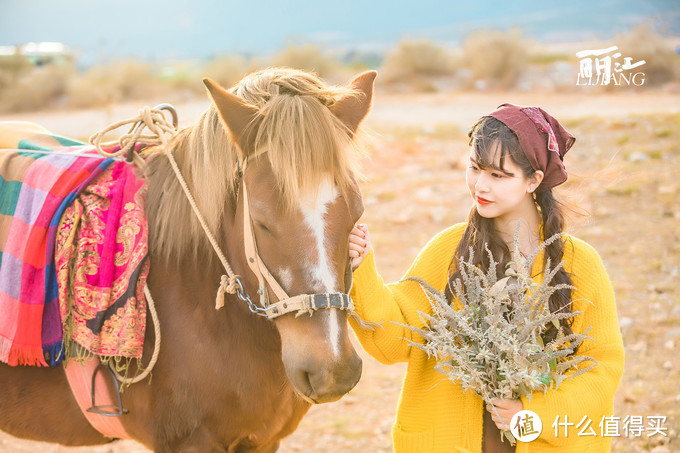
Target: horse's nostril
[
  {"x": 359, "y": 366},
  {"x": 307, "y": 382},
  {"x": 302, "y": 383}
]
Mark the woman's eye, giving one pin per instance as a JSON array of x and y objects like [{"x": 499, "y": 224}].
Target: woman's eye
[{"x": 497, "y": 175}]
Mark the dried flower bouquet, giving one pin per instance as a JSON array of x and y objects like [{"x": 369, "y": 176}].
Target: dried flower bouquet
[{"x": 490, "y": 339}]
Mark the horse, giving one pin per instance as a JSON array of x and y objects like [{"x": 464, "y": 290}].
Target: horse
[{"x": 230, "y": 380}]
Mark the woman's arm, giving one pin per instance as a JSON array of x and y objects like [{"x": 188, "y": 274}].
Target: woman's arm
[{"x": 398, "y": 303}]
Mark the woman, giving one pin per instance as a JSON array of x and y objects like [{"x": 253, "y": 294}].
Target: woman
[{"x": 515, "y": 161}]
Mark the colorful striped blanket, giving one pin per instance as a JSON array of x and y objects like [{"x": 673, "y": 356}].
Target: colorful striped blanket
[{"x": 73, "y": 249}]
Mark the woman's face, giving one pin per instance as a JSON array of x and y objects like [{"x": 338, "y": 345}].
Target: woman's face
[{"x": 500, "y": 191}]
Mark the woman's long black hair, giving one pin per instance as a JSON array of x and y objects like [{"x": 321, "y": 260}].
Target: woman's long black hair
[{"x": 485, "y": 137}]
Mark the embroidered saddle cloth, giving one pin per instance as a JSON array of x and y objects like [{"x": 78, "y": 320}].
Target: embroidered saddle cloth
[{"x": 73, "y": 250}]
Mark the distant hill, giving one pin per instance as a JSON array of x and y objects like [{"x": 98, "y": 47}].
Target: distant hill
[{"x": 180, "y": 29}]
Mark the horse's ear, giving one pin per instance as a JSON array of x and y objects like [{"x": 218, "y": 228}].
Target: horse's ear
[
  {"x": 239, "y": 117},
  {"x": 351, "y": 110}
]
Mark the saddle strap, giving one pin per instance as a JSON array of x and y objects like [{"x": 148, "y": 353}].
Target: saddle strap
[{"x": 80, "y": 379}]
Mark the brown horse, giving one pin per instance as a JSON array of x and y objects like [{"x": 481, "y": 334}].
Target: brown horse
[{"x": 228, "y": 379}]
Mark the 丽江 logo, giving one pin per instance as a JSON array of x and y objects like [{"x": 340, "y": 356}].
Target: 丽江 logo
[{"x": 600, "y": 67}]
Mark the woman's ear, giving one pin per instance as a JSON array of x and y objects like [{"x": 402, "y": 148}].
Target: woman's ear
[{"x": 535, "y": 181}]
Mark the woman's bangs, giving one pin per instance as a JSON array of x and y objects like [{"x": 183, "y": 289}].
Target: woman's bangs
[{"x": 490, "y": 153}]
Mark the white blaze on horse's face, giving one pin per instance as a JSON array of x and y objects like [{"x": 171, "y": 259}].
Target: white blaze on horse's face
[
  {"x": 307, "y": 253},
  {"x": 314, "y": 208}
]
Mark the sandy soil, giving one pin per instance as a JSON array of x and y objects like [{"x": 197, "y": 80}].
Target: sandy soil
[
  {"x": 623, "y": 191},
  {"x": 390, "y": 110}
]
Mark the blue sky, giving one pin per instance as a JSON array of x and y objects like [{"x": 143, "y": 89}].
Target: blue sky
[{"x": 164, "y": 29}]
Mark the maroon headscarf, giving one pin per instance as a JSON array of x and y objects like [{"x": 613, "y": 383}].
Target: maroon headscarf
[{"x": 542, "y": 138}]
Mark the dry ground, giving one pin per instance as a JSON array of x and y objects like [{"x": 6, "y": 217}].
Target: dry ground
[{"x": 623, "y": 190}]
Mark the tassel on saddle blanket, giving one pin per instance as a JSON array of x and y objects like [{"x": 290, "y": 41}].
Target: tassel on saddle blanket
[{"x": 72, "y": 231}]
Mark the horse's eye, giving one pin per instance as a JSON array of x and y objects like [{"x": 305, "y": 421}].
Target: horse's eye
[{"x": 262, "y": 227}]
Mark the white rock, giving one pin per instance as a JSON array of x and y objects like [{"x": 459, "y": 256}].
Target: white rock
[
  {"x": 638, "y": 157},
  {"x": 626, "y": 322}
]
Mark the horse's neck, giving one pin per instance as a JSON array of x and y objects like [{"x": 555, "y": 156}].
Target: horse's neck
[
  {"x": 187, "y": 290},
  {"x": 227, "y": 358}
]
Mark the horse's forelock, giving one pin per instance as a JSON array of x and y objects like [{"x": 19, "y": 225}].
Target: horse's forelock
[
  {"x": 305, "y": 144},
  {"x": 303, "y": 140}
]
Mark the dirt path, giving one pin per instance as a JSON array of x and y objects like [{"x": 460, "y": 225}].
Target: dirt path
[{"x": 394, "y": 110}]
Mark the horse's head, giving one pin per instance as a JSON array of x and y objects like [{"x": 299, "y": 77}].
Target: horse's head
[{"x": 298, "y": 201}]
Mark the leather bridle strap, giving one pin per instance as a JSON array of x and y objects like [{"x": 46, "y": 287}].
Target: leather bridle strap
[
  {"x": 303, "y": 303},
  {"x": 307, "y": 303},
  {"x": 253, "y": 257}
]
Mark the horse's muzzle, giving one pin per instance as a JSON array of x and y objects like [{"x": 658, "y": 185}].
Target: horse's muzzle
[{"x": 327, "y": 387}]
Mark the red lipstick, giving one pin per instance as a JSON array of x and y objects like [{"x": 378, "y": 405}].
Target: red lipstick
[{"x": 481, "y": 200}]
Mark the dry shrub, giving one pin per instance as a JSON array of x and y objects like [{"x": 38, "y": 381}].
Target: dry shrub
[
  {"x": 418, "y": 64},
  {"x": 642, "y": 43},
  {"x": 12, "y": 67},
  {"x": 309, "y": 58},
  {"x": 495, "y": 58},
  {"x": 182, "y": 79},
  {"x": 112, "y": 83},
  {"x": 226, "y": 70},
  {"x": 91, "y": 89},
  {"x": 35, "y": 87}
]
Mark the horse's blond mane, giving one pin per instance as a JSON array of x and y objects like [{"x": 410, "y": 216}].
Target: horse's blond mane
[{"x": 303, "y": 141}]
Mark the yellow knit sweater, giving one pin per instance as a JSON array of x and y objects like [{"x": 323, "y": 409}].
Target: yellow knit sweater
[{"x": 435, "y": 415}]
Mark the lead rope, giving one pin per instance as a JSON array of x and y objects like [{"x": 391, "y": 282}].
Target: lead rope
[{"x": 156, "y": 122}]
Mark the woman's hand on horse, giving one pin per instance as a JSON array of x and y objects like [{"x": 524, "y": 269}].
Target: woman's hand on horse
[{"x": 359, "y": 244}]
